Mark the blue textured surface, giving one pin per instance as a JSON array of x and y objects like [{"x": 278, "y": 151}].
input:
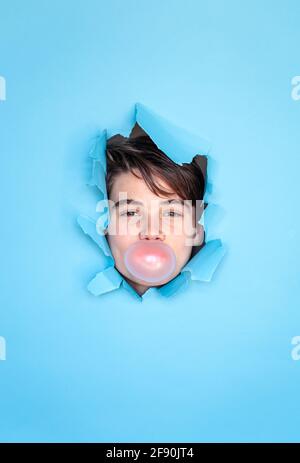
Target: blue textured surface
[{"x": 212, "y": 363}]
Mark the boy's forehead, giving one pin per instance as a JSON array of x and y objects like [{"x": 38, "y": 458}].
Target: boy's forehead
[{"x": 136, "y": 188}]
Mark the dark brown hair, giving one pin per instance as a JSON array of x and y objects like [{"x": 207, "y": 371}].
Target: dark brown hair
[{"x": 142, "y": 157}]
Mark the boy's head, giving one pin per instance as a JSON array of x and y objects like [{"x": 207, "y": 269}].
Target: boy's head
[{"x": 152, "y": 198}]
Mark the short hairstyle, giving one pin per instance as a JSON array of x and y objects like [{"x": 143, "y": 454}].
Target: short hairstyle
[{"x": 141, "y": 157}]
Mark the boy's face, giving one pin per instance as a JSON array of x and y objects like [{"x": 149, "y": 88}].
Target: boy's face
[{"x": 136, "y": 213}]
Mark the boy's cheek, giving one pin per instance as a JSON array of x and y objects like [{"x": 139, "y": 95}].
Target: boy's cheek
[
  {"x": 123, "y": 227},
  {"x": 179, "y": 227},
  {"x": 183, "y": 258},
  {"x": 117, "y": 251},
  {"x": 119, "y": 244}
]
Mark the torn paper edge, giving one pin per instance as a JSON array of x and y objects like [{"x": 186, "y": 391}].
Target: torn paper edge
[{"x": 170, "y": 139}]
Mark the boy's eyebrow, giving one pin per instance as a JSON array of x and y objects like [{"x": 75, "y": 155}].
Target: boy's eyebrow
[
  {"x": 173, "y": 201},
  {"x": 127, "y": 201},
  {"x": 139, "y": 203}
]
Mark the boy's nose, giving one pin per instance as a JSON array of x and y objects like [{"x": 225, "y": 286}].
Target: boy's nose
[
  {"x": 152, "y": 230},
  {"x": 151, "y": 236}
]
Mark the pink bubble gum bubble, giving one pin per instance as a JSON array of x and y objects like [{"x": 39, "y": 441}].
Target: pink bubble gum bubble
[{"x": 150, "y": 261}]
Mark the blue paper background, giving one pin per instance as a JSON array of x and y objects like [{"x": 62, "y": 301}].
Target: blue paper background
[{"x": 212, "y": 363}]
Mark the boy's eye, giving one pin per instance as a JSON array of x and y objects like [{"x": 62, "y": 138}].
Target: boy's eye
[
  {"x": 129, "y": 213},
  {"x": 172, "y": 213}
]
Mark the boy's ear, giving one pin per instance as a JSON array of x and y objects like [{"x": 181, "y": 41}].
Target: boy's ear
[{"x": 199, "y": 235}]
